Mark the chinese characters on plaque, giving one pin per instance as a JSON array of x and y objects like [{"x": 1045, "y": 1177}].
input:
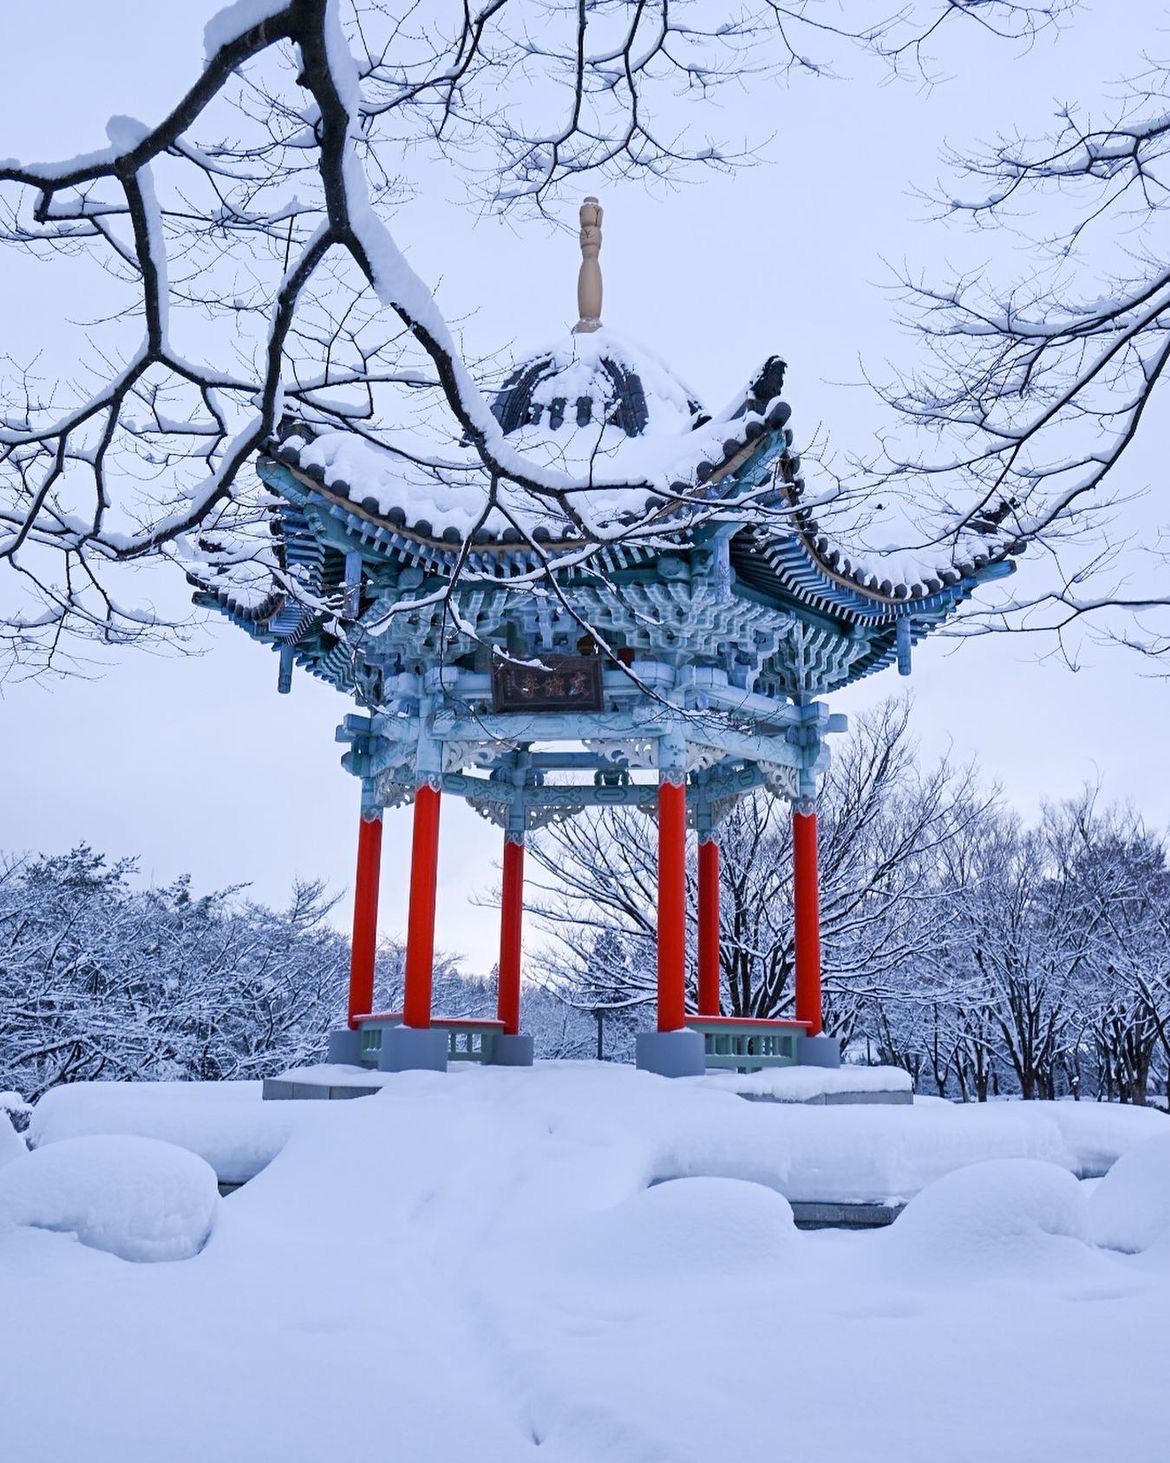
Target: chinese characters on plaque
[{"x": 559, "y": 683}]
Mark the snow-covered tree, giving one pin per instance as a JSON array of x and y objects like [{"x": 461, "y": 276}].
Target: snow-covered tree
[
  {"x": 1118, "y": 873},
  {"x": 881, "y": 825},
  {"x": 1048, "y": 973},
  {"x": 102, "y": 980}
]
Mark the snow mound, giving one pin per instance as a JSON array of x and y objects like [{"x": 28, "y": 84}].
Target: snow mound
[
  {"x": 807, "y": 1084},
  {"x": 13, "y": 1104},
  {"x": 1130, "y": 1208},
  {"x": 136, "y": 1198},
  {"x": 688, "y": 1226},
  {"x": 1096, "y": 1134},
  {"x": 225, "y": 1123},
  {"x": 11, "y": 1143},
  {"x": 1007, "y": 1213}
]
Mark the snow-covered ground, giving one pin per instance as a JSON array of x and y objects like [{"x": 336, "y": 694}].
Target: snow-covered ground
[
  {"x": 583, "y": 1262},
  {"x": 689, "y": 1126}
]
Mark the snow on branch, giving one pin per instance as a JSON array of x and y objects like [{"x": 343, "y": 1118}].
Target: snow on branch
[
  {"x": 1032, "y": 391},
  {"x": 241, "y": 253}
]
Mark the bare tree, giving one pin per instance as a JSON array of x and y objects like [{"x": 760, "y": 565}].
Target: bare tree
[
  {"x": 1034, "y": 387},
  {"x": 881, "y": 825},
  {"x": 246, "y": 267}
]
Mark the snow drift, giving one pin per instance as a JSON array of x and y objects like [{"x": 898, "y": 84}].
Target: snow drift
[
  {"x": 1130, "y": 1208},
  {"x": 135, "y": 1198},
  {"x": 1009, "y": 1213},
  {"x": 225, "y": 1123},
  {"x": 481, "y": 1264},
  {"x": 685, "y": 1226},
  {"x": 691, "y": 1128}
]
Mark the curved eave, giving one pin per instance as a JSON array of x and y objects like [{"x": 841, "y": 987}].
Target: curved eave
[
  {"x": 861, "y": 592},
  {"x": 806, "y": 562},
  {"x": 796, "y": 569},
  {"x": 332, "y": 664},
  {"x": 380, "y": 535},
  {"x": 279, "y": 613}
]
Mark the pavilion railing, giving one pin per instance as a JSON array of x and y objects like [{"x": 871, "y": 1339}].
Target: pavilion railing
[
  {"x": 370, "y": 1030},
  {"x": 468, "y": 1040},
  {"x": 748, "y": 1044},
  {"x": 743, "y": 1044}
]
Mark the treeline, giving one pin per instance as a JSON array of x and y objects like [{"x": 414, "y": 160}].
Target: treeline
[
  {"x": 101, "y": 979},
  {"x": 986, "y": 956}
]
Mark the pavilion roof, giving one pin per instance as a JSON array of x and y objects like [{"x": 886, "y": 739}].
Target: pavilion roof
[
  {"x": 638, "y": 493},
  {"x": 609, "y": 465}
]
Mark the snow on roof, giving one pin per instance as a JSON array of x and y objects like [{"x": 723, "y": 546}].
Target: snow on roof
[
  {"x": 610, "y": 420},
  {"x": 601, "y": 421},
  {"x": 586, "y": 367},
  {"x": 609, "y": 445}
]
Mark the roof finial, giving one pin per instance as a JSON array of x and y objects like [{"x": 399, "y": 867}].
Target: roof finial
[{"x": 589, "y": 278}]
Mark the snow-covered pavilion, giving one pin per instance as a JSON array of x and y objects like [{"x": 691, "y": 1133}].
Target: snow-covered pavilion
[{"x": 649, "y": 614}]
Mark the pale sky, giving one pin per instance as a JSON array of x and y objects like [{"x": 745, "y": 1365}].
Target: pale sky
[{"x": 195, "y": 764}]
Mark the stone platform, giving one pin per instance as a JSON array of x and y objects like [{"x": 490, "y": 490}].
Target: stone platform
[
  {"x": 813, "y": 1214},
  {"x": 322, "y": 1084},
  {"x": 820, "y": 1086},
  {"x": 828, "y": 1086}
]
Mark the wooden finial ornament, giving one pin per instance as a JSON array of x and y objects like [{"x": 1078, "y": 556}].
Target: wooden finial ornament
[{"x": 589, "y": 278}]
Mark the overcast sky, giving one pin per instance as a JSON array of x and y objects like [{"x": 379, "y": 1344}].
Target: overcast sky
[{"x": 193, "y": 763}]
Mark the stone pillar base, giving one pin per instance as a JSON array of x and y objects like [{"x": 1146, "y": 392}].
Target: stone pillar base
[
  {"x": 413, "y": 1049},
  {"x": 670, "y": 1053},
  {"x": 345, "y": 1048},
  {"x": 818, "y": 1051},
  {"x": 511, "y": 1051}
]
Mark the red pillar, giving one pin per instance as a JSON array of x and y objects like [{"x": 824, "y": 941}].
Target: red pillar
[
  {"x": 420, "y": 928},
  {"x": 364, "y": 944},
  {"x": 672, "y": 906},
  {"x": 511, "y": 926},
  {"x": 708, "y": 928},
  {"x": 808, "y": 920}
]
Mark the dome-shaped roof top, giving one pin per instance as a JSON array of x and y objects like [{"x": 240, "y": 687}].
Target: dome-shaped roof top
[
  {"x": 603, "y": 450},
  {"x": 595, "y": 384}
]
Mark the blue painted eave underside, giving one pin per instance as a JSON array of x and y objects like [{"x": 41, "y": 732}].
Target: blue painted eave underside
[{"x": 771, "y": 565}]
